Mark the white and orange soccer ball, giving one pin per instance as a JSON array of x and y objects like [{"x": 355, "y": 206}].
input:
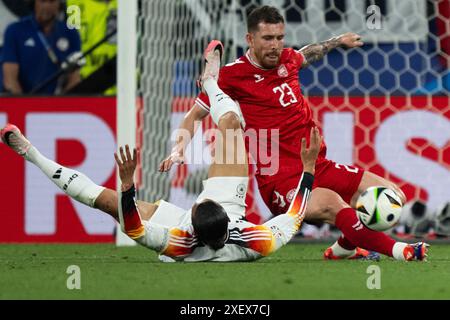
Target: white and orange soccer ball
[{"x": 379, "y": 208}]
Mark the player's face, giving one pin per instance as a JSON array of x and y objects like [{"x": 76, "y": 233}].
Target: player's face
[
  {"x": 46, "y": 10},
  {"x": 267, "y": 43}
]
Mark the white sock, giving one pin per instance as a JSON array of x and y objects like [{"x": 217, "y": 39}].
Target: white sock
[
  {"x": 211, "y": 88},
  {"x": 341, "y": 252},
  {"x": 217, "y": 98},
  {"x": 73, "y": 183},
  {"x": 219, "y": 101},
  {"x": 397, "y": 251}
]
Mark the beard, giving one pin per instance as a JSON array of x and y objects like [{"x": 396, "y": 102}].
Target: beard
[{"x": 270, "y": 60}]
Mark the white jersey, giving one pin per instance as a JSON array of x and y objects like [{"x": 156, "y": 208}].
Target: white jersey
[{"x": 170, "y": 231}]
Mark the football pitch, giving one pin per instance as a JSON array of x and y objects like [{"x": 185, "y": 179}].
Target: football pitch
[{"x": 296, "y": 272}]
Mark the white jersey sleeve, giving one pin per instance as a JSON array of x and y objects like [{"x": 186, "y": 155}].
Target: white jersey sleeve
[
  {"x": 285, "y": 226},
  {"x": 156, "y": 236}
]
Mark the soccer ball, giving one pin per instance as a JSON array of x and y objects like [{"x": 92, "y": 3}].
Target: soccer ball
[{"x": 379, "y": 208}]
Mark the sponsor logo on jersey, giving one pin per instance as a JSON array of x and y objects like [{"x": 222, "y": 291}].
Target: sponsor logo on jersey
[
  {"x": 282, "y": 71},
  {"x": 276, "y": 232},
  {"x": 279, "y": 200},
  {"x": 258, "y": 78}
]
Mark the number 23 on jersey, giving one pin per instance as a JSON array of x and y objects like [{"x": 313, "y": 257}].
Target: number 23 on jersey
[{"x": 287, "y": 96}]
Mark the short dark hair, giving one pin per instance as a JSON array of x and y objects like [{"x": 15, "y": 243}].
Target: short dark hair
[
  {"x": 266, "y": 14},
  {"x": 210, "y": 222}
]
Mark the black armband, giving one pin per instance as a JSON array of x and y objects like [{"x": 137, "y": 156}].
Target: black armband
[
  {"x": 307, "y": 182},
  {"x": 128, "y": 204}
]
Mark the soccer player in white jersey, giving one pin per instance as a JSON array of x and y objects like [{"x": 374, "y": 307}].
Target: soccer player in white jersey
[{"x": 214, "y": 229}]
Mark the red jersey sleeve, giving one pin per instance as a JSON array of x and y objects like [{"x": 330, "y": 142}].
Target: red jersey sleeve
[
  {"x": 202, "y": 101},
  {"x": 297, "y": 58}
]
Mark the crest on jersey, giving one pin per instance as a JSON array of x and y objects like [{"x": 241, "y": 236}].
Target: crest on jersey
[
  {"x": 282, "y": 71},
  {"x": 241, "y": 190},
  {"x": 290, "y": 195}
]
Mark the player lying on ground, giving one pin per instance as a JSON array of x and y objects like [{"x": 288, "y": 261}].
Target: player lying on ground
[
  {"x": 214, "y": 229},
  {"x": 265, "y": 82}
]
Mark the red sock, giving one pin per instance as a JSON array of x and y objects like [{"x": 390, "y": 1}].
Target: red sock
[
  {"x": 345, "y": 243},
  {"x": 359, "y": 235}
]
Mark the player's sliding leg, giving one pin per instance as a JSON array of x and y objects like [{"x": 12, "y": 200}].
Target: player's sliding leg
[
  {"x": 343, "y": 246},
  {"x": 352, "y": 228},
  {"x": 326, "y": 205},
  {"x": 73, "y": 183}
]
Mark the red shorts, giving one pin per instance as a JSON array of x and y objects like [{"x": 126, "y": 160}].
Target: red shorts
[{"x": 278, "y": 190}]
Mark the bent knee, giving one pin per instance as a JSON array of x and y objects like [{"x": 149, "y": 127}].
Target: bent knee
[
  {"x": 107, "y": 202},
  {"x": 229, "y": 120},
  {"x": 323, "y": 206}
]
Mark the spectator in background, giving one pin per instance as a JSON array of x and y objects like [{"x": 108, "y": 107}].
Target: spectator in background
[
  {"x": 98, "y": 19},
  {"x": 10, "y": 11},
  {"x": 34, "y": 49}
]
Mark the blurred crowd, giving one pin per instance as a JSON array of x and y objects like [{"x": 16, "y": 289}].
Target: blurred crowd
[{"x": 51, "y": 47}]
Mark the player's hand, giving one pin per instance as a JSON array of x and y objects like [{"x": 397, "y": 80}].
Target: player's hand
[
  {"x": 127, "y": 166},
  {"x": 350, "y": 40},
  {"x": 309, "y": 154},
  {"x": 175, "y": 157}
]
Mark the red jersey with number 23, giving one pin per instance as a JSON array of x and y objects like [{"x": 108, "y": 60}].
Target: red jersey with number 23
[{"x": 272, "y": 105}]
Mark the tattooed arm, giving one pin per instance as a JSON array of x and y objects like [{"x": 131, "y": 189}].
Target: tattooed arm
[{"x": 316, "y": 51}]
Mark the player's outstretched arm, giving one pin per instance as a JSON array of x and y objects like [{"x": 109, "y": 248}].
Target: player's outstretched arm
[
  {"x": 285, "y": 226},
  {"x": 316, "y": 51},
  {"x": 129, "y": 217},
  {"x": 184, "y": 135},
  {"x": 152, "y": 236}
]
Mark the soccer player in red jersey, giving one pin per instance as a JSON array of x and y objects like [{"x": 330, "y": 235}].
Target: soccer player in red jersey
[{"x": 265, "y": 84}]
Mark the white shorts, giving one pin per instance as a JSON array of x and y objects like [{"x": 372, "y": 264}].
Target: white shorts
[{"x": 229, "y": 192}]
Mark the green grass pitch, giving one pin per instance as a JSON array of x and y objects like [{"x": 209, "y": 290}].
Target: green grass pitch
[{"x": 296, "y": 272}]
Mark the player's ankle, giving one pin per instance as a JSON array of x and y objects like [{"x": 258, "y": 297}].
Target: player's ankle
[
  {"x": 398, "y": 251},
  {"x": 339, "y": 251}
]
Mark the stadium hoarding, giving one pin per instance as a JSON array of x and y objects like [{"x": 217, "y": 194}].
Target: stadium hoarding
[
  {"x": 404, "y": 139},
  {"x": 75, "y": 132}
]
